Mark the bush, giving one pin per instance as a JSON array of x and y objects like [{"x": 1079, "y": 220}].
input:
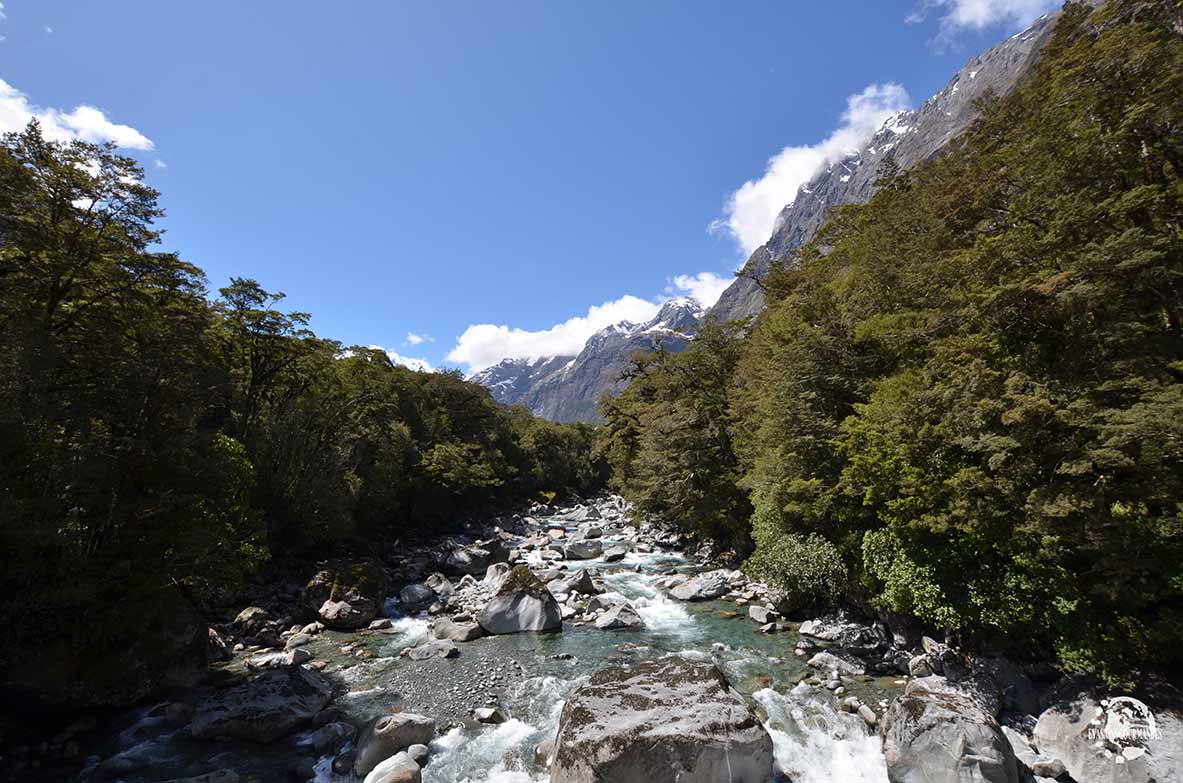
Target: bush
[{"x": 808, "y": 569}]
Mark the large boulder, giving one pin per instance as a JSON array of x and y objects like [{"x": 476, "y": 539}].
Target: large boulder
[
  {"x": 579, "y": 582},
  {"x": 521, "y": 603},
  {"x": 703, "y": 587},
  {"x": 399, "y": 768},
  {"x": 347, "y": 595},
  {"x": 1073, "y": 731},
  {"x": 583, "y": 549},
  {"x": 477, "y": 558},
  {"x": 620, "y": 617},
  {"x": 447, "y": 628},
  {"x": 387, "y": 735},
  {"x": 263, "y": 709},
  {"x": 416, "y": 594},
  {"x": 251, "y": 620},
  {"x": 831, "y": 663},
  {"x": 937, "y": 733},
  {"x": 668, "y": 719}
]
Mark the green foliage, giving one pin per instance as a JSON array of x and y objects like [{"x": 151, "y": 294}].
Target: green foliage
[
  {"x": 668, "y": 437},
  {"x": 807, "y": 569},
  {"x": 154, "y": 442},
  {"x": 972, "y": 385}
]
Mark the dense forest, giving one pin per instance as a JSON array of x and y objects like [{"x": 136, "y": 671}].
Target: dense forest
[
  {"x": 159, "y": 445},
  {"x": 964, "y": 402}
]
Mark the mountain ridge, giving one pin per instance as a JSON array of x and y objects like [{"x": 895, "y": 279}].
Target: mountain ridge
[
  {"x": 568, "y": 388},
  {"x": 910, "y": 137}
]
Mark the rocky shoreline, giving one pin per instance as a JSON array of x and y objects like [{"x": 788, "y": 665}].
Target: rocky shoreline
[{"x": 362, "y": 671}]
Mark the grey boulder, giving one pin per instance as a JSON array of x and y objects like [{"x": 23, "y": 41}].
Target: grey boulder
[
  {"x": 415, "y": 594},
  {"x": 446, "y": 628},
  {"x": 347, "y": 595},
  {"x": 936, "y": 733},
  {"x": 399, "y": 768},
  {"x": 620, "y": 617},
  {"x": 263, "y": 709},
  {"x": 522, "y": 603},
  {"x": 387, "y": 735},
  {"x": 1063, "y": 733},
  {"x": 583, "y": 549},
  {"x": 668, "y": 719},
  {"x": 703, "y": 587}
]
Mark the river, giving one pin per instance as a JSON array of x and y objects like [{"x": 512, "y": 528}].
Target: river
[{"x": 530, "y": 675}]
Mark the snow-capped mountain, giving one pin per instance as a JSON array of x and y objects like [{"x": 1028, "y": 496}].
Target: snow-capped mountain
[
  {"x": 568, "y": 388},
  {"x": 910, "y": 137}
]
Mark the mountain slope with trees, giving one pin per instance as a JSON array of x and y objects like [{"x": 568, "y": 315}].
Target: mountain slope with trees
[{"x": 964, "y": 400}]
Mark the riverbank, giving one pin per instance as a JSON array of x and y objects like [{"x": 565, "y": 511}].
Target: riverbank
[{"x": 304, "y": 674}]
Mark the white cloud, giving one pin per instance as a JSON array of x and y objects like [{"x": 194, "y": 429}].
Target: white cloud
[
  {"x": 751, "y": 211},
  {"x": 406, "y": 361},
  {"x": 704, "y": 288},
  {"x": 83, "y": 122},
  {"x": 483, "y": 345},
  {"x": 980, "y": 14},
  {"x": 48, "y": 30},
  {"x": 418, "y": 339},
  {"x": 160, "y": 164}
]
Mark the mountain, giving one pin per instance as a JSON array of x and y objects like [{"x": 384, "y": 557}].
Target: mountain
[
  {"x": 910, "y": 137},
  {"x": 568, "y": 388}
]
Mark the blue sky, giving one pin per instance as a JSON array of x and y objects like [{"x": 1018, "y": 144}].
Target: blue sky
[{"x": 489, "y": 170}]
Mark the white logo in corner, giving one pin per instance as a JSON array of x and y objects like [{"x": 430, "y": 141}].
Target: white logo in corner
[{"x": 1121, "y": 728}]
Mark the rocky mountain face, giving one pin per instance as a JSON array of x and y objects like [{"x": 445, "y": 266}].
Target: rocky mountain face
[
  {"x": 567, "y": 388},
  {"x": 910, "y": 137}
]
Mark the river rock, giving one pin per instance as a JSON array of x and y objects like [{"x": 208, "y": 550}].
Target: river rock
[
  {"x": 298, "y": 640},
  {"x": 347, "y": 595},
  {"x": 620, "y": 617},
  {"x": 1025, "y": 752},
  {"x": 440, "y": 585},
  {"x": 583, "y": 549},
  {"x": 435, "y": 648},
  {"x": 660, "y": 720},
  {"x": 488, "y": 715},
  {"x": 216, "y": 648},
  {"x": 495, "y": 573},
  {"x": 251, "y": 620},
  {"x": 935, "y": 733},
  {"x": 522, "y": 603},
  {"x": 387, "y": 735},
  {"x": 615, "y": 554},
  {"x": 399, "y": 768},
  {"x": 416, "y": 594},
  {"x": 762, "y": 615},
  {"x": 703, "y": 587},
  {"x": 605, "y": 601},
  {"x": 446, "y": 628},
  {"x": 470, "y": 560},
  {"x": 579, "y": 582},
  {"x": 1063, "y": 733},
  {"x": 277, "y": 659},
  {"x": 475, "y": 560},
  {"x": 263, "y": 709},
  {"x": 828, "y": 662}
]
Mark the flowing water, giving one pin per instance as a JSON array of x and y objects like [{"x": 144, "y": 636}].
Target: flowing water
[{"x": 531, "y": 675}]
